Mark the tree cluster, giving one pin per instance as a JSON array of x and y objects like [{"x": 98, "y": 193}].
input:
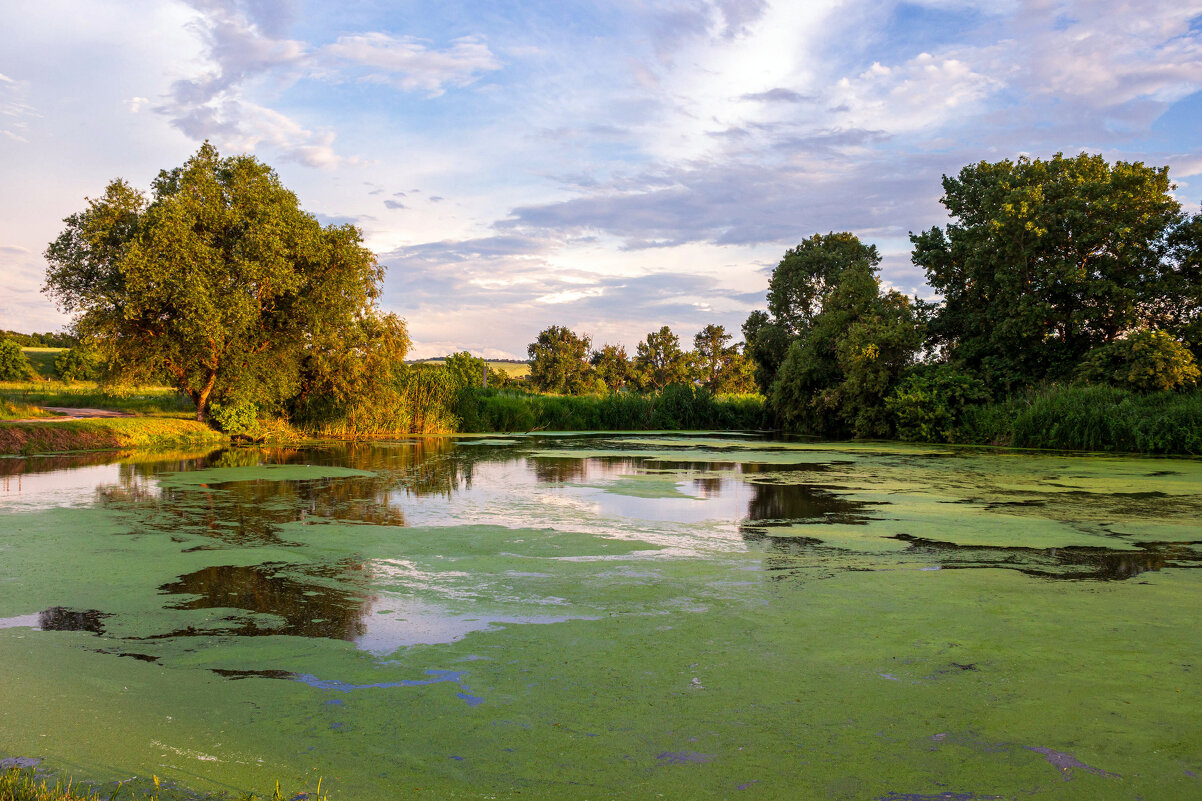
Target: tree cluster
[
  {"x": 563, "y": 362},
  {"x": 1071, "y": 269}
]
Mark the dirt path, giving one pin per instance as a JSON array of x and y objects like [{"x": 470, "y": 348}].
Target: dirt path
[{"x": 72, "y": 413}]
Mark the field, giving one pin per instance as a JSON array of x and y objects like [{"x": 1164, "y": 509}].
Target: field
[
  {"x": 42, "y": 360},
  {"x": 514, "y": 369}
]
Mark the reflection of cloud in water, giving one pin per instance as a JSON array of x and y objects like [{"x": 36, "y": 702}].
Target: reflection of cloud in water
[
  {"x": 75, "y": 486},
  {"x": 398, "y": 622}
]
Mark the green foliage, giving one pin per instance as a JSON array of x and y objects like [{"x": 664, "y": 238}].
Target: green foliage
[
  {"x": 1047, "y": 259},
  {"x": 220, "y": 280},
  {"x": 659, "y": 361},
  {"x": 1096, "y": 418},
  {"x": 14, "y": 364},
  {"x": 837, "y": 374},
  {"x": 1144, "y": 361},
  {"x": 49, "y": 339},
  {"x": 808, "y": 272},
  {"x": 721, "y": 367},
  {"x": 238, "y": 419},
  {"x": 766, "y": 344},
  {"x": 678, "y": 407},
  {"x": 464, "y": 369},
  {"x": 79, "y": 363},
  {"x": 560, "y": 363},
  {"x": 930, "y": 403},
  {"x": 612, "y": 367}
]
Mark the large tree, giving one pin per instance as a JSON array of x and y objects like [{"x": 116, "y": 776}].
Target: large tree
[
  {"x": 837, "y": 374},
  {"x": 559, "y": 362},
  {"x": 1046, "y": 259},
  {"x": 807, "y": 272},
  {"x": 219, "y": 280}
]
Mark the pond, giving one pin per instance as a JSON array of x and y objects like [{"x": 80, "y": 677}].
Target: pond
[{"x": 606, "y": 616}]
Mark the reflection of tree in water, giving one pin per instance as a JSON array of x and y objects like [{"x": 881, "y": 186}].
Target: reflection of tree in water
[
  {"x": 803, "y": 503},
  {"x": 60, "y": 618},
  {"x": 554, "y": 470},
  {"x": 1099, "y": 564},
  {"x": 309, "y": 606}
]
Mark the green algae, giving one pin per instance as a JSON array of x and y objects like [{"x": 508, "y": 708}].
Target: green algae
[
  {"x": 804, "y": 646},
  {"x": 266, "y": 472}
]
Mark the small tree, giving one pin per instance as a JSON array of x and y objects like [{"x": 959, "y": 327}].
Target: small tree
[
  {"x": 612, "y": 366},
  {"x": 659, "y": 361},
  {"x": 76, "y": 364},
  {"x": 14, "y": 364},
  {"x": 560, "y": 363}
]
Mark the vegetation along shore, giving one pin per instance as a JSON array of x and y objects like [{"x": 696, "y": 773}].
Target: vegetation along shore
[{"x": 1069, "y": 316}]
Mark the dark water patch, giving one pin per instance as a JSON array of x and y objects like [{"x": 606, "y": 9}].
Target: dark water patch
[
  {"x": 683, "y": 758},
  {"x": 130, "y": 654},
  {"x": 1070, "y": 563},
  {"x": 235, "y": 675},
  {"x": 60, "y": 618},
  {"x": 1067, "y": 763},
  {"x": 804, "y": 503},
  {"x": 20, "y": 763},
  {"x": 308, "y": 608}
]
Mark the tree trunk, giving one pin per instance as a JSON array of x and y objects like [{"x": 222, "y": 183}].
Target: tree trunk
[{"x": 202, "y": 399}]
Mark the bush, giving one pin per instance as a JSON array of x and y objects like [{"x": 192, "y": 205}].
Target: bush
[
  {"x": 238, "y": 419},
  {"x": 76, "y": 364},
  {"x": 14, "y": 364},
  {"x": 1147, "y": 360},
  {"x": 930, "y": 403}
]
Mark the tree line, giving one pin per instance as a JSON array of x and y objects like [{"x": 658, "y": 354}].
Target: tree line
[
  {"x": 563, "y": 362},
  {"x": 1065, "y": 271},
  {"x": 1070, "y": 271}
]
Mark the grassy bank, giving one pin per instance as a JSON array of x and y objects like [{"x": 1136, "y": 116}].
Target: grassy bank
[
  {"x": 122, "y": 433},
  {"x": 137, "y": 400},
  {"x": 1088, "y": 418}
]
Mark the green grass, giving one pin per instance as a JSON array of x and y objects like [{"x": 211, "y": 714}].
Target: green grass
[
  {"x": 141, "y": 400},
  {"x": 42, "y": 360},
  {"x": 513, "y": 369}
]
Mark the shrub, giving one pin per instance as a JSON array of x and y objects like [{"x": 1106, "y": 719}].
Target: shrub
[
  {"x": 1147, "y": 360},
  {"x": 930, "y": 403},
  {"x": 76, "y": 364},
  {"x": 14, "y": 364},
  {"x": 238, "y": 419}
]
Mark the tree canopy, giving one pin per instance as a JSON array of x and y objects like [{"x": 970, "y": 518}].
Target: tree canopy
[
  {"x": 219, "y": 280},
  {"x": 560, "y": 362},
  {"x": 1046, "y": 259},
  {"x": 659, "y": 361}
]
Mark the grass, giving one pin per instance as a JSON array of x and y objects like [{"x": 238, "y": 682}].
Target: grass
[
  {"x": 513, "y": 369},
  {"x": 42, "y": 360},
  {"x": 120, "y": 433},
  {"x": 141, "y": 400},
  {"x": 24, "y": 785}
]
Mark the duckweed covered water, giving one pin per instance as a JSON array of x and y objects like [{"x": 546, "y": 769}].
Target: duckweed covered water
[{"x": 607, "y": 617}]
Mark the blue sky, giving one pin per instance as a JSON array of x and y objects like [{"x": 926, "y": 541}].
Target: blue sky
[{"x": 610, "y": 166}]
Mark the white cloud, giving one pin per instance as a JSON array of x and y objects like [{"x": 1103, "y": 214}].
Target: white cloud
[{"x": 411, "y": 64}]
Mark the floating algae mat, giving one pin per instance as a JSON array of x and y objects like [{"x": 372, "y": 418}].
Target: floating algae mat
[{"x": 606, "y": 616}]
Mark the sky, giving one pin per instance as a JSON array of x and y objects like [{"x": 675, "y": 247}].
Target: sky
[{"x": 609, "y": 166}]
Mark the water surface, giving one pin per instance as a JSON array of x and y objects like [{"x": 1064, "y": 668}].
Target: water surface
[{"x": 607, "y": 617}]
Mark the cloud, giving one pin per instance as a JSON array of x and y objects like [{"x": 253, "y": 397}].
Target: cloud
[
  {"x": 15, "y": 112},
  {"x": 409, "y": 63},
  {"x": 247, "y": 54},
  {"x": 778, "y": 95}
]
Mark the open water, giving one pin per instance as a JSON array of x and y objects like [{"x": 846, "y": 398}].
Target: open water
[{"x": 606, "y": 616}]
